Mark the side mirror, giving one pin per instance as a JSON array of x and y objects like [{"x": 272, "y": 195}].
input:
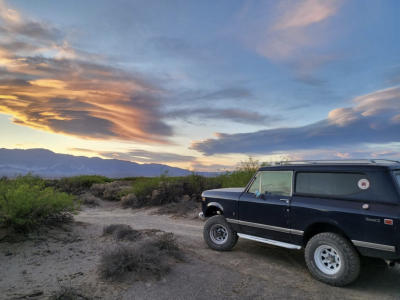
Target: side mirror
[{"x": 257, "y": 194}]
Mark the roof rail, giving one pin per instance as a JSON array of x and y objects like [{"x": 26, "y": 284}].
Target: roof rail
[{"x": 339, "y": 161}]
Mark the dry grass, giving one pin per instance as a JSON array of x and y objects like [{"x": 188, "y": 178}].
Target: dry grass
[{"x": 152, "y": 257}]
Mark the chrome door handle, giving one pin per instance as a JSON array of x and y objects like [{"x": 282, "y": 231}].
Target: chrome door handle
[{"x": 286, "y": 200}]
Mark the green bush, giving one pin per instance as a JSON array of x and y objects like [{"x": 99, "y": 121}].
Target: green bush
[
  {"x": 144, "y": 186},
  {"x": 26, "y": 203},
  {"x": 76, "y": 183}
]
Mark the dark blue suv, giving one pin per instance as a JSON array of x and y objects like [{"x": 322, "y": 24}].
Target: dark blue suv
[{"x": 337, "y": 210}]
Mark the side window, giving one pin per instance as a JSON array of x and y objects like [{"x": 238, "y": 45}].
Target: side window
[
  {"x": 256, "y": 184},
  {"x": 336, "y": 184},
  {"x": 277, "y": 183},
  {"x": 397, "y": 175}
]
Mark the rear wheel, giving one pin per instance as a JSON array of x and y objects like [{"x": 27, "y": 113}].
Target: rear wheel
[
  {"x": 218, "y": 234},
  {"x": 332, "y": 259}
]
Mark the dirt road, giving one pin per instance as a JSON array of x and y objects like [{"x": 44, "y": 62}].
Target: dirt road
[{"x": 250, "y": 271}]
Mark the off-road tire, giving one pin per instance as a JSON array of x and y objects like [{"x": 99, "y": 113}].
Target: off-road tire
[
  {"x": 347, "y": 267},
  {"x": 219, "y": 243}
]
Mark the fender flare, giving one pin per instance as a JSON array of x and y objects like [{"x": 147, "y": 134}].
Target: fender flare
[{"x": 216, "y": 204}]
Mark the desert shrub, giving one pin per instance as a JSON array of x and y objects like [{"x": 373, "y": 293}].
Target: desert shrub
[
  {"x": 144, "y": 186},
  {"x": 167, "y": 192},
  {"x": 122, "y": 232},
  {"x": 150, "y": 257},
  {"x": 76, "y": 184},
  {"x": 125, "y": 190},
  {"x": 167, "y": 243},
  {"x": 98, "y": 189},
  {"x": 141, "y": 259},
  {"x": 68, "y": 293},
  {"x": 195, "y": 184},
  {"x": 127, "y": 234},
  {"x": 130, "y": 201},
  {"x": 110, "y": 229},
  {"x": 111, "y": 191},
  {"x": 89, "y": 199},
  {"x": 26, "y": 203}
]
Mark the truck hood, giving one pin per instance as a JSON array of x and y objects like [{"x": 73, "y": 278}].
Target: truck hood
[{"x": 227, "y": 193}]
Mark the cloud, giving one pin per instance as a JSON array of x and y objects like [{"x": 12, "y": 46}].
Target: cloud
[
  {"x": 371, "y": 121},
  {"x": 45, "y": 84},
  {"x": 305, "y": 13},
  {"x": 233, "y": 115},
  {"x": 289, "y": 32},
  {"x": 200, "y": 167},
  {"x": 227, "y": 93},
  {"x": 138, "y": 155}
]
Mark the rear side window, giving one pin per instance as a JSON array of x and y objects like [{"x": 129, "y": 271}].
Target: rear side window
[
  {"x": 397, "y": 175},
  {"x": 335, "y": 184}
]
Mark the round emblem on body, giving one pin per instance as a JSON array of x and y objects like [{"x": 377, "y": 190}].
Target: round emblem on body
[{"x": 363, "y": 184}]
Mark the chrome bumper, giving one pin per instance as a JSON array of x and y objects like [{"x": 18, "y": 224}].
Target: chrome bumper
[{"x": 201, "y": 216}]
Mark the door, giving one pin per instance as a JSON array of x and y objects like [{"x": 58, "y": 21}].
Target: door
[{"x": 264, "y": 209}]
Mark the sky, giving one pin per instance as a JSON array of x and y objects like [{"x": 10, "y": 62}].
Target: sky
[{"x": 201, "y": 85}]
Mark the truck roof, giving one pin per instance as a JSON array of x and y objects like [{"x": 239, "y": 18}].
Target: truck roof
[{"x": 353, "y": 165}]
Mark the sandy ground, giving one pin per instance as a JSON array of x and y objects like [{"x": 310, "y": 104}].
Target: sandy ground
[{"x": 69, "y": 257}]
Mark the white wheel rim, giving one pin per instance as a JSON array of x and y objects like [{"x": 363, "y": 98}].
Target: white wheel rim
[
  {"x": 327, "y": 259},
  {"x": 218, "y": 234}
]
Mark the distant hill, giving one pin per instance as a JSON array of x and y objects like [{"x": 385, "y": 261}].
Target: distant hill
[{"x": 48, "y": 164}]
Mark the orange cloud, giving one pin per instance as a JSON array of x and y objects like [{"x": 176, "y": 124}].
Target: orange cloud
[{"x": 45, "y": 84}]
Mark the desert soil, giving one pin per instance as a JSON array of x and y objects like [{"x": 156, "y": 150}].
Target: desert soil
[{"x": 69, "y": 256}]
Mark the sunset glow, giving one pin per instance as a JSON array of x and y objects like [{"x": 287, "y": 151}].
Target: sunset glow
[{"x": 198, "y": 86}]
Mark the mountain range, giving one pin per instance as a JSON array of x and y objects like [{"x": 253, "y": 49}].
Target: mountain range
[{"x": 48, "y": 164}]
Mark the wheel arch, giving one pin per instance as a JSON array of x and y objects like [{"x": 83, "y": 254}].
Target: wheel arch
[
  {"x": 213, "y": 208},
  {"x": 320, "y": 227}
]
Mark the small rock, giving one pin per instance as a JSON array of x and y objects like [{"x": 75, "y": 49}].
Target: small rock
[
  {"x": 8, "y": 253},
  {"x": 24, "y": 272}
]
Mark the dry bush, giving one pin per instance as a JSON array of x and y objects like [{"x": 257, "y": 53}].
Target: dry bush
[
  {"x": 97, "y": 189},
  {"x": 167, "y": 243},
  {"x": 130, "y": 201},
  {"x": 89, "y": 199},
  {"x": 167, "y": 192},
  {"x": 127, "y": 234},
  {"x": 142, "y": 259},
  {"x": 111, "y": 191},
  {"x": 68, "y": 293},
  {"x": 122, "y": 232},
  {"x": 148, "y": 258},
  {"x": 110, "y": 229}
]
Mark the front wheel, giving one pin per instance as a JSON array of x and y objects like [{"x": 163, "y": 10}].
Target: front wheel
[
  {"x": 332, "y": 259},
  {"x": 218, "y": 234}
]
